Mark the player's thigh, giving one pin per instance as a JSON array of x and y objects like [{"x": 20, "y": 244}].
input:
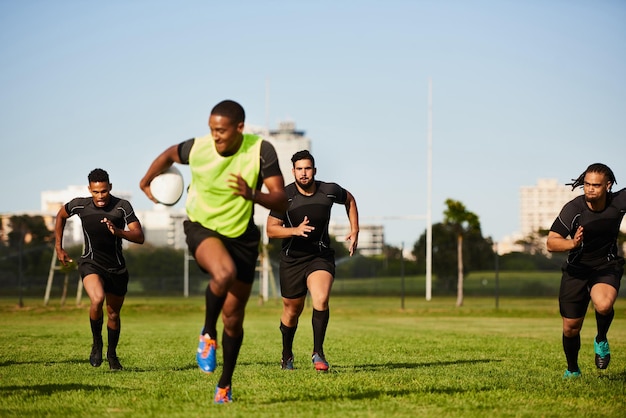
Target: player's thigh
[
  {"x": 573, "y": 296},
  {"x": 320, "y": 283},
  {"x": 213, "y": 257},
  {"x": 94, "y": 287}
]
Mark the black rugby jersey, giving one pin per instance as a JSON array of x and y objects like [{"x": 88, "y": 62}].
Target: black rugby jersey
[
  {"x": 600, "y": 232},
  {"x": 317, "y": 209},
  {"x": 101, "y": 246}
]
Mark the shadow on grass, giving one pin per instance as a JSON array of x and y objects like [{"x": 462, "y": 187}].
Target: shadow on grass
[
  {"x": 387, "y": 366},
  {"x": 44, "y": 362},
  {"x": 620, "y": 376},
  {"x": 374, "y": 367},
  {"x": 49, "y": 389},
  {"x": 379, "y": 394},
  {"x": 105, "y": 367}
]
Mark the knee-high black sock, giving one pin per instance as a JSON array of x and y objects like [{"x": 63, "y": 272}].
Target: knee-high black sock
[
  {"x": 320, "y": 323},
  {"x": 571, "y": 347},
  {"x": 213, "y": 307},
  {"x": 96, "y": 330},
  {"x": 113, "y": 339},
  {"x": 288, "y": 335},
  {"x": 603, "y": 322},
  {"x": 230, "y": 348}
]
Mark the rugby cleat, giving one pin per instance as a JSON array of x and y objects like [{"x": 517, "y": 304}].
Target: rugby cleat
[
  {"x": 572, "y": 375},
  {"x": 603, "y": 354},
  {"x": 205, "y": 357},
  {"x": 223, "y": 395},
  {"x": 286, "y": 364},
  {"x": 95, "y": 358},
  {"x": 114, "y": 363},
  {"x": 320, "y": 363}
]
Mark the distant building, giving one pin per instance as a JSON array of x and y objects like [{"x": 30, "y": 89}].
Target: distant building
[
  {"x": 286, "y": 141},
  {"x": 541, "y": 204},
  {"x": 371, "y": 237},
  {"x": 163, "y": 226}
]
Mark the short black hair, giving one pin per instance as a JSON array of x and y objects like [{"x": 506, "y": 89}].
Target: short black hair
[
  {"x": 230, "y": 109},
  {"x": 302, "y": 155},
  {"x": 98, "y": 175},
  {"x": 593, "y": 168}
]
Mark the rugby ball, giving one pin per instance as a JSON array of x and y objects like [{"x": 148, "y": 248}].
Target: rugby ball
[{"x": 168, "y": 186}]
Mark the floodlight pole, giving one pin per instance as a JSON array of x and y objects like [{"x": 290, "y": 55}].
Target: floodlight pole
[{"x": 429, "y": 220}]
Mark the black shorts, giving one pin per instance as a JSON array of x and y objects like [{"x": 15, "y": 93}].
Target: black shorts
[
  {"x": 294, "y": 272},
  {"x": 574, "y": 293},
  {"x": 113, "y": 281},
  {"x": 244, "y": 250}
]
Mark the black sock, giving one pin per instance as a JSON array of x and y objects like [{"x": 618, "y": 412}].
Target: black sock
[
  {"x": 320, "y": 323},
  {"x": 288, "y": 335},
  {"x": 213, "y": 307},
  {"x": 571, "y": 347},
  {"x": 230, "y": 349},
  {"x": 96, "y": 330},
  {"x": 603, "y": 323},
  {"x": 114, "y": 337}
]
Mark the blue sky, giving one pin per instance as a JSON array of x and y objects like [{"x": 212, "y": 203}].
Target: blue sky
[{"x": 522, "y": 90}]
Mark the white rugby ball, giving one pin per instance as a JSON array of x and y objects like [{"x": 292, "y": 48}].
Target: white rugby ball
[{"x": 168, "y": 186}]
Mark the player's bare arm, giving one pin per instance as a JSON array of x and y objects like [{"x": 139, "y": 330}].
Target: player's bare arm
[
  {"x": 59, "y": 227},
  {"x": 276, "y": 228},
  {"x": 275, "y": 199},
  {"x": 353, "y": 217},
  {"x": 159, "y": 165},
  {"x": 134, "y": 233},
  {"x": 557, "y": 243}
]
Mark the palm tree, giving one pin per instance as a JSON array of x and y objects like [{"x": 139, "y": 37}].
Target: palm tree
[{"x": 462, "y": 221}]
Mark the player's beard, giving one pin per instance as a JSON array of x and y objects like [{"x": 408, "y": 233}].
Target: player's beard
[
  {"x": 306, "y": 186},
  {"x": 595, "y": 199}
]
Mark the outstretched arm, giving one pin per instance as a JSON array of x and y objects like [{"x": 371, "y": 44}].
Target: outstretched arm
[
  {"x": 159, "y": 165},
  {"x": 353, "y": 216}
]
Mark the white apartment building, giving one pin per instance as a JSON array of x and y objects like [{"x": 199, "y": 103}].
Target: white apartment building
[
  {"x": 541, "y": 204},
  {"x": 371, "y": 237}
]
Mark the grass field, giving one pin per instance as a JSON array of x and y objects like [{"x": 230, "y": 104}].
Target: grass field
[{"x": 427, "y": 360}]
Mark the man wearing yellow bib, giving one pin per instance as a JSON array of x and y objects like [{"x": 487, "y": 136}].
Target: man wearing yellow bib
[{"x": 228, "y": 169}]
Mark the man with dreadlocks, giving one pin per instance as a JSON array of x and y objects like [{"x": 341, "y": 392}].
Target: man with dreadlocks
[{"x": 587, "y": 227}]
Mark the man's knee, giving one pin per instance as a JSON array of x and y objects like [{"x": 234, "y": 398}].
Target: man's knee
[
  {"x": 604, "y": 306},
  {"x": 572, "y": 327}
]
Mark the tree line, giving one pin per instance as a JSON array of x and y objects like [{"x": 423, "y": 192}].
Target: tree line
[{"x": 26, "y": 255}]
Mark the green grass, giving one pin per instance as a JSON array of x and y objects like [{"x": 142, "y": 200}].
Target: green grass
[{"x": 428, "y": 360}]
